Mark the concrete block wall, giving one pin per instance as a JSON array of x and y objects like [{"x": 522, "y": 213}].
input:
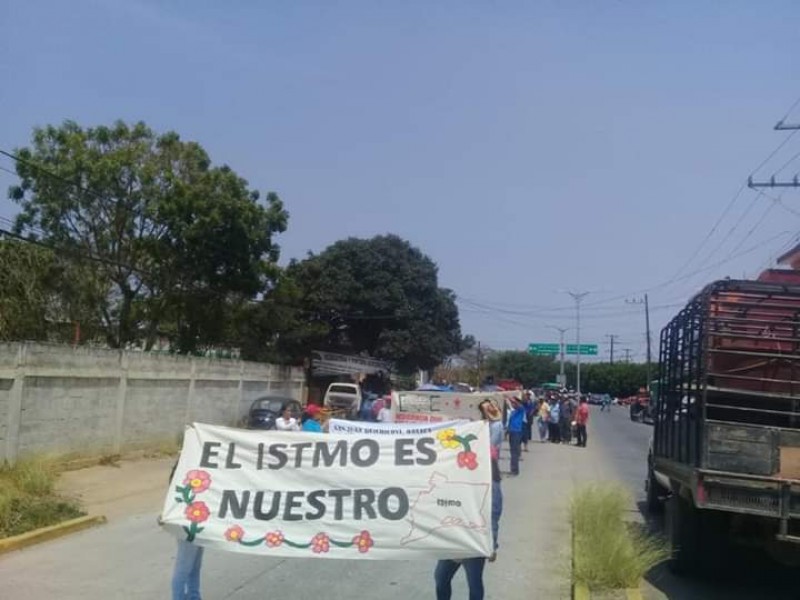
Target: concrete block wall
[{"x": 59, "y": 400}]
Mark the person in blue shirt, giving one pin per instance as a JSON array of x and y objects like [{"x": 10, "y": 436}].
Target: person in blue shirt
[
  {"x": 311, "y": 418},
  {"x": 516, "y": 428},
  {"x": 473, "y": 567}
]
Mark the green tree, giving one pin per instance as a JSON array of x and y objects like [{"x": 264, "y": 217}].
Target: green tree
[
  {"x": 618, "y": 379},
  {"x": 43, "y": 297},
  {"x": 378, "y": 296},
  {"x": 180, "y": 241},
  {"x": 529, "y": 370}
]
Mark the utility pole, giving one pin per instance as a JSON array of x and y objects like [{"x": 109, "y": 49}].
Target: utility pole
[
  {"x": 562, "y": 379},
  {"x": 627, "y": 352},
  {"x": 646, "y": 303},
  {"x": 612, "y": 338},
  {"x": 793, "y": 183},
  {"x": 578, "y": 297}
]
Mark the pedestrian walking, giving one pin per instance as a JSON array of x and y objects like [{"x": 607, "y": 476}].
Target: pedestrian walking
[
  {"x": 543, "y": 418},
  {"x": 581, "y": 420},
  {"x": 516, "y": 426},
  {"x": 473, "y": 567},
  {"x": 565, "y": 420},
  {"x": 555, "y": 416},
  {"x": 530, "y": 414}
]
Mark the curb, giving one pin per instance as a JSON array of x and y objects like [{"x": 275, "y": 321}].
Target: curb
[
  {"x": 581, "y": 592},
  {"x": 45, "y": 534}
]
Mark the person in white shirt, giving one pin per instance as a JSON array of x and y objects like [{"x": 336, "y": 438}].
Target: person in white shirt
[
  {"x": 286, "y": 422},
  {"x": 385, "y": 414}
]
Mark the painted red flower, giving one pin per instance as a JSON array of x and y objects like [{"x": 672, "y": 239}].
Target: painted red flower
[
  {"x": 197, "y": 512},
  {"x": 363, "y": 541},
  {"x": 274, "y": 539},
  {"x": 320, "y": 543},
  {"x": 198, "y": 480},
  {"x": 234, "y": 533},
  {"x": 467, "y": 460}
]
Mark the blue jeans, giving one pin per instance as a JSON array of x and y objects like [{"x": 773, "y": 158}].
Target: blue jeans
[
  {"x": 515, "y": 442},
  {"x": 186, "y": 576},
  {"x": 497, "y": 510},
  {"x": 446, "y": 569}
]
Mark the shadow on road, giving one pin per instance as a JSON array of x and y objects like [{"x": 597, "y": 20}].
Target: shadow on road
[{"x": 743, "y": 574}]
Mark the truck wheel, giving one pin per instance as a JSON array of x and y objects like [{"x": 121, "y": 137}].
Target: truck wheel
[
  {"x": 697, "y": 538},
  {"x": 683, "y": 535},
  {"x": 655, "y": 494}
]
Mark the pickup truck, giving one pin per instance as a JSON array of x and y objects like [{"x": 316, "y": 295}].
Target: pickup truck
[
  {"x": 725, "y": 454},
  {"x": 343, "y": 397}
]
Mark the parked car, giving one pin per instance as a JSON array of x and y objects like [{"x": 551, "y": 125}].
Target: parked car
[
  {"x": 344, "y": 397},
  {"x": 266, "y": 409}
]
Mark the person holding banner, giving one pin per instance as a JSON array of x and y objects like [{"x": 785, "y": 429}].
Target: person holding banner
[
  {"x": 473, "y": 567},
  {"x": 490, "y": 412},
  {"x": 188, "y": 562}
]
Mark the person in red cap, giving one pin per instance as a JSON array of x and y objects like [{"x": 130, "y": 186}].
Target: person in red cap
[{"x": 311, "y": 418}]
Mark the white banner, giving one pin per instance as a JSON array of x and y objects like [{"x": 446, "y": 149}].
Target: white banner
[
  {"x": 344, "y": 427},
  {"x": 303, "y": 494}
]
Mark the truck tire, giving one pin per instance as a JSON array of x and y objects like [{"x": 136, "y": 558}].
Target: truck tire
[
  {"x": 696, "y": 538},
  {"x": 683, "y": 535}
]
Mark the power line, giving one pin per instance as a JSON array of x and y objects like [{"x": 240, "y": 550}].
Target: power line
[{"x": 736, "y": 196}]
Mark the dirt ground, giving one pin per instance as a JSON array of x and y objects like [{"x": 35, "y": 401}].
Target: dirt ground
[{"x": 122, "y": 489}]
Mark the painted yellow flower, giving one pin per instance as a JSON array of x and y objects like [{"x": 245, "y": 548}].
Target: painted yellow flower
[{"x": 446, "y": 438}]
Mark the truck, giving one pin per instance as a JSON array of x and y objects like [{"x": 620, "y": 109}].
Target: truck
[
  {"x": 640, "y": 407},
  {"x": 343, "y": 399},
  {"x": 724, "y": 460}
]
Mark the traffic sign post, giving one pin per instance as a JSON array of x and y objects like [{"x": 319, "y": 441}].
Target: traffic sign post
[
  {"x": 585, "y": 350},
  {"x": 553, "y": 349},
  {"x": 543, "y": 349}
]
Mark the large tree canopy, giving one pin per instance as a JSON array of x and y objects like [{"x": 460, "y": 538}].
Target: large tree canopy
[
  {"x": 529, "y": 370},
  {"x": 176, "y": 240},
  {"x": 43, "y": 297},
  {"x": 378, "y": 296}
]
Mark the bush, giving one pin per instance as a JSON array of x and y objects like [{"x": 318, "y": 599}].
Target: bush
[
  {"x": 28, "y": 500},
  {"x": 607, "y": 552}
]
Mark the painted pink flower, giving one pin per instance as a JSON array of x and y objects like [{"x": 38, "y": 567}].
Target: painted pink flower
[
  {"x": 274, "y": 539},
  {"x": 320, "y": 543},
  {"x": 363, "y": 541},
  {"x": 198, "y": 480},
  {"x": 234, "y": 533},
  {"x": 197, "y": 512},
  {"x": 467, "y": 460}
]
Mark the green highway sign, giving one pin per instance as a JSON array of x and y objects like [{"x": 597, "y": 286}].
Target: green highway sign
[
  {"x": 590, "y": 349},
  {"x": 543, "y": 349},
  {"x": 552, "y": 349}
]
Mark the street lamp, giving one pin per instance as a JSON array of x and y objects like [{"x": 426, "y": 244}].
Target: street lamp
[
  {"x": 578, "y": 297},
  {"x": 562, "y": 379}
]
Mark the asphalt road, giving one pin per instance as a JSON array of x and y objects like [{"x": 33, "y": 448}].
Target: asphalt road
[
  {"x": 132, "y": 558},
  {"x": 624, "y": 444}
]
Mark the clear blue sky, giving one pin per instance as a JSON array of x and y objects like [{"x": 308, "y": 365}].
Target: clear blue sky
[{"x": 527, "y": 147}]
